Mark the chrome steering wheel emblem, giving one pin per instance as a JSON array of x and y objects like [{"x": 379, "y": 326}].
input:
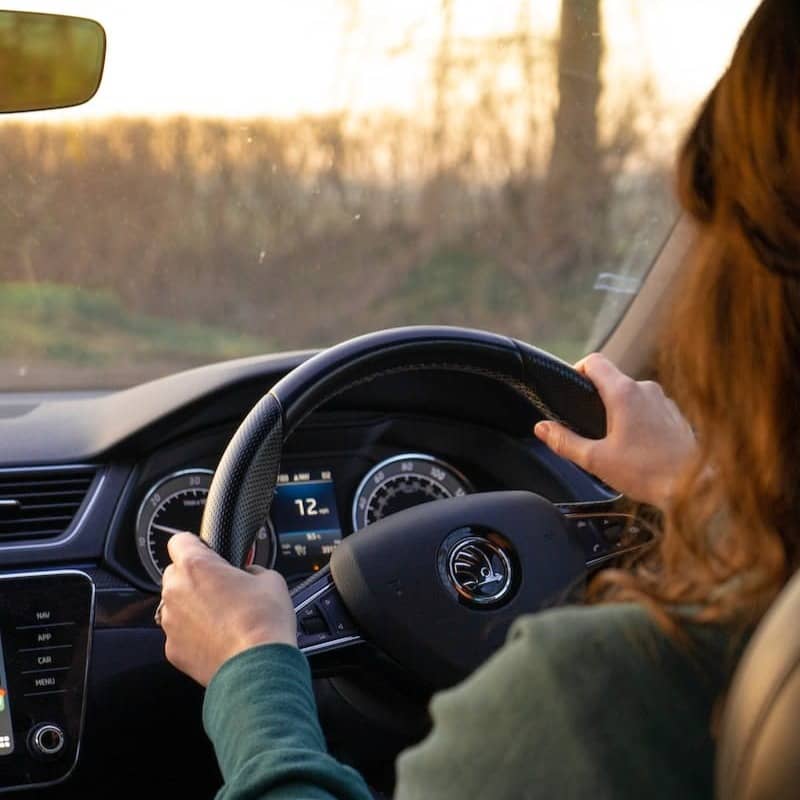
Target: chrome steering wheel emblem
[{"x": 479, "y": 570}]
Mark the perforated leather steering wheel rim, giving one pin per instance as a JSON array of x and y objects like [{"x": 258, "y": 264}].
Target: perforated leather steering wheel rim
[{"x": 241, "y": 493}]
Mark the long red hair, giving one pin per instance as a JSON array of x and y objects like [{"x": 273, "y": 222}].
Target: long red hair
[{"x": 731, "y": 352}]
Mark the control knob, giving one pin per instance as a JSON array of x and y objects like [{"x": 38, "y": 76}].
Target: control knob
[{"x": 46, "y": 740}]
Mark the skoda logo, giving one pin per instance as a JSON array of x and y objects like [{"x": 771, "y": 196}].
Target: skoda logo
[{"x": 479, "y": 570}]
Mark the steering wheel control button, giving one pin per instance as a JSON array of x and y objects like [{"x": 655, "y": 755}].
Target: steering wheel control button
[
  {"x": 621, "y": 533},
  {"x": 339, "y": 620},
  {"x": 46, "y": 740},
  {"x": 587, "y": 534},
  {"x": 312, "y": 622},
  {"x": 613, "y": 531},
  {"x": 604, "y": 528},
  {"x": 324, "y": 621},
  {"x": 478, "y": 564}
]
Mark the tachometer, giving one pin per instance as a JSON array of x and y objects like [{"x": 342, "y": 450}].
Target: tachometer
[
  {"x": 176, "y": 504},
  {"x": 404, "y": 481}
]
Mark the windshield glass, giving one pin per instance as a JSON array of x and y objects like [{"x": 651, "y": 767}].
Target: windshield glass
[{"x": 254, "y": 177}]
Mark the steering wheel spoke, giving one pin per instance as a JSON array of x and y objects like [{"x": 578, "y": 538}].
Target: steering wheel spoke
[
  {"x": 606, "y": 529},
  {"x": 323, "y": 622}
]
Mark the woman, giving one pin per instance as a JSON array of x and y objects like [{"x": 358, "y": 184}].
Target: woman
[{"x": 616, "y": 698}]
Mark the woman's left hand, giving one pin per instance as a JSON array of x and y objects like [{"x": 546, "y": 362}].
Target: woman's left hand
[{"x": 211, "y": 611}]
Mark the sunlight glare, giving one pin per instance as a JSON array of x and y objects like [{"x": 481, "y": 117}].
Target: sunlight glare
[{"x": 279, "y": 59}]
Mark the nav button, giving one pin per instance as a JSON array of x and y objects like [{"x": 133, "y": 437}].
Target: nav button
[{"x": 40, "y": 617}]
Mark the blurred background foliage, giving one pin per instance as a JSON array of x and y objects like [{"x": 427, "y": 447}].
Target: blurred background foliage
[{"x": 134, "y": 246}]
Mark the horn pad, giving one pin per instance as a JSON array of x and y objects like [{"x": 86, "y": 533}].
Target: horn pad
[{"x": 437, "y": 586}]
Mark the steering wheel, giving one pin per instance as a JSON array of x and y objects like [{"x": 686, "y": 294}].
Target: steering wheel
[{"x": 441, "y": 603}]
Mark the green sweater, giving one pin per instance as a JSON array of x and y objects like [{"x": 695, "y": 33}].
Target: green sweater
[{"x": 581, "y": 702}]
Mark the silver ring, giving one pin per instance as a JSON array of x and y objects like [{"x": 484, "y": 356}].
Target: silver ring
[{"x": 157, "y": 615}]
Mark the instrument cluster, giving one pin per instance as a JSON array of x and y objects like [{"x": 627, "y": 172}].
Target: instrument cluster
[{"x": 304, "y": 525}]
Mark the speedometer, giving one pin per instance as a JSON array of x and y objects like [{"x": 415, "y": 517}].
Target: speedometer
[
  {"x": 404, "y": 481},
  {"x": 175, "y": 504}
]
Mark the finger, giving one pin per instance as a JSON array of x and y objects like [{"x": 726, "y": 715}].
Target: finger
[
  {"x": 565, "y": 443},
  {"x": 602, "y": 373},
  {"x": 580, "y": 364},
  {"x": 255, "y": 569},
  {"x": 182, "y": 545},
  {"x": 167, "y": 577}
]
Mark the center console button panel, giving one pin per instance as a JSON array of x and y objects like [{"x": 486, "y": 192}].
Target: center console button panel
[{"x": 45, "y": 631}]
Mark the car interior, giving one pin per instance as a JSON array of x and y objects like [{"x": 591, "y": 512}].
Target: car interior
[{"x": 319, "y": 463}]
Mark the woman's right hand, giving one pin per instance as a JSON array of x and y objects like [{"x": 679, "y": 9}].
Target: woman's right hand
[{"x": 647, "y": 444}]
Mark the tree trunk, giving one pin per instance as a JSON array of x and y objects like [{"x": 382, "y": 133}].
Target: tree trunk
[
  {"x": 576, "y": 142},
  {"x": 437, "y": 224},
  {"x": 572, "y": 212}
]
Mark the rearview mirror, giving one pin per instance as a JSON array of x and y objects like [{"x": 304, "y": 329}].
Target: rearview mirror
[{"x": 48, "y": 60}]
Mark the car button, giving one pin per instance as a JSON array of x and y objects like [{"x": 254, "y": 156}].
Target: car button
[{"x": 42, "y": 660}]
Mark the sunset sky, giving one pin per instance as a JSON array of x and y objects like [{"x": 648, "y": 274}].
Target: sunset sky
[{"x": 243, "y": 58}]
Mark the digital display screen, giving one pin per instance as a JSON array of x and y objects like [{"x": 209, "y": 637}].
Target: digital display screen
[
  {"x": 6, "y": 730},
  {"x": 306, "y": 521}
]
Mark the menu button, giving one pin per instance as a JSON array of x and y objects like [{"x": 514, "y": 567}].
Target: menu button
[{"x": 46, "y": 682}]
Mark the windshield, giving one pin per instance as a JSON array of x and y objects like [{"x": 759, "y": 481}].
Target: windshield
[{"x": 254, "y": 177}]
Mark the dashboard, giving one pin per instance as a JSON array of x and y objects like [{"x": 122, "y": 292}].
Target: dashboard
[
  {"x": 304, "y": 526},
  {"x": 124, "y": 471},
  {"x": 341, "y": 472}
]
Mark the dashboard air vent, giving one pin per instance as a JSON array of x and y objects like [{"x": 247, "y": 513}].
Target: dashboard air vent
[{"x": 40, "y": 503}]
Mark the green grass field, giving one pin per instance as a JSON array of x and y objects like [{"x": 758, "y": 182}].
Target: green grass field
[
  {"x": 50, "y": 322},
  {"x": 76, "y": 336}
]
